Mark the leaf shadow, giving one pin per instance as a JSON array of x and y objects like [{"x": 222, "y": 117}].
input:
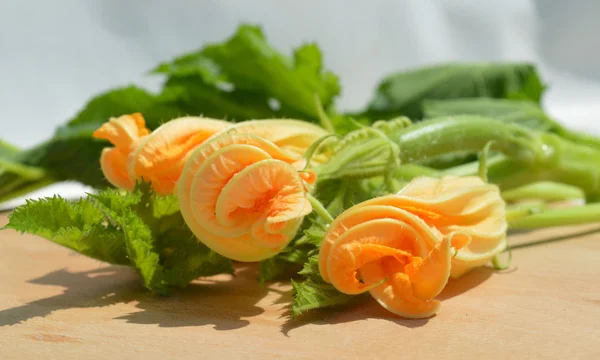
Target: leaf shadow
[
  {"x": 224, "y": 304},
  {"x": 362, "y": 309},
  {"x": 368, "y": 308}
]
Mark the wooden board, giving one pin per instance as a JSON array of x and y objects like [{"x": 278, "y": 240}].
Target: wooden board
[{"x": 58, "y": 305}]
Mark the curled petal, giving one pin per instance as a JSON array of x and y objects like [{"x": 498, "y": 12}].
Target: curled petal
[
  {"x": 368, "y": 242},
  {"x": 467, "y": 209},
  {"x": 384, "y": 250},
  {"x": 124, "y": 133},
  {"x": 372, "y": 210},
  {"x": 429, "y": 276},
  {"x": 114, "y": 166},
  {"x": 396, "y": 294},
  {"x": 291, "y": 136},
  {"x": 241, "y": 196},
  {"x": 160, "y": 157},
  {"x": 411, "y": 293},
  {"x": 399, "y": 247}
]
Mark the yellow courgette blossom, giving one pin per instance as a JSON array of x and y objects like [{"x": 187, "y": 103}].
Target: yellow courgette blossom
[
  {"x": 156, "y": 157},
  {"x": 244, "y": 191},
  {"x": 159, "y": 157},
  {"x": 402, "y": 248},
  {"x": 123, "y": 132}
]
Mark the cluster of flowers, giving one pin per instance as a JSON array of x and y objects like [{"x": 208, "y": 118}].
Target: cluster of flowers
[{"x": 244, "y": 189}]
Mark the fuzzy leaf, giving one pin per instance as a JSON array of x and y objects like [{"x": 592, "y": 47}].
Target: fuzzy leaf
[
  {"x": 238, "y": 79},
  {"x": 81, "y": 226},
  {"x": 72, "y": 154},
  {"x": 314, "y": 293},
  {"x": 404, "y": 93},
  {"x": 135, "y": 228}
]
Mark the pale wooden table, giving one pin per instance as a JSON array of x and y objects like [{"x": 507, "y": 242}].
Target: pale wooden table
[{"x": 58, "y": 305}]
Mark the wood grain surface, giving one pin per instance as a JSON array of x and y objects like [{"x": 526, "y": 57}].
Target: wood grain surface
[{"x": 55, "y": 304}]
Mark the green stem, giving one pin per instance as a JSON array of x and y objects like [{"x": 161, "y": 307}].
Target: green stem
[
  {"x": 515, "y": 212},
  {"x": 24, "y": 189},
  {"x": 566, "y": 163},
  {"x": 409, "y": 171},
  {"x": 323, "y": 118},
  {"x": 498, "y": 264},
  {"x": 319, "y": 209},
  {"x": 446, "y": 135},
  {"x": 24, "y": 171},
  {"x": 431, "y": 138},
  {"x": 558, "y": 217},
  {"x": 579, "y": 137},
  {"x": 527, "y": 156},
  {"x": 545, "y": 190},
  {"x": 7, "y": 149}
]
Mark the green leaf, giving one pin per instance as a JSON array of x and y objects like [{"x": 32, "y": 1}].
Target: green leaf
[
  {"x": 242, "y": 78},
  {"x": 282, "y": 264},
  {"x": 81, "y": 226},
  {"x": 404, "y": 93},
  {"x": 287, "y": 262},
  {"x": 311, "y": 292},
  {"x": 250, "y": 63},
  {"x": 160, "y": 245},
  {"x": 192, "y": 64},
  {"x": 7, "y": 149},
  {"x": 193, "y": 96},
  {"x": 184, "y": 258},
  {"x": 15, "y": 176},
  {"x": 72, "y": 154},
  {"x": 142, "y": 249},
  {"x": 238, "y": 78},
  {"x": 522, "y": 112},
  {"x": 135, "y": 228},
  {"x": 117, "y": 102},
  {"x": 314, "y": 293}
]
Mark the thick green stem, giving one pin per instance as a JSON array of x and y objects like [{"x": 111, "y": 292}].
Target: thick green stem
[
  {"x": 520, "y": 211},
  {"x": 566, "y": 162},
  {"x": 579, "y": 137},
  {"x": 432, "y": 138},
  {"x": 22, "y": 188},
  {"x": 527, "y": 156},
  {"x": 435, "y": 137},
  {"x": 558, "y": 217},
  {"x": 545, "y": 190},
  {"x": 409, "y": 171}
]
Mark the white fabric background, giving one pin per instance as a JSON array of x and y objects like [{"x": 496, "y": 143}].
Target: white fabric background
[{"x": 55, "y": 54}]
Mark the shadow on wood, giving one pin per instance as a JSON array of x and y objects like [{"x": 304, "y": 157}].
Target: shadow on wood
[
  {"x": 468, "y": 281},
  {"x": 222, "y": 304},
  {"x": 364, "y": 308}
]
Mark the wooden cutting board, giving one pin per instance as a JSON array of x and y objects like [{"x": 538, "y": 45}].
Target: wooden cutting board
[{"x": 58, "y": 305}]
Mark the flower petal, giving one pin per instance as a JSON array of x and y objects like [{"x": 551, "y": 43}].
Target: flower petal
[
  {"x": 124, "y": 132},
  {"x": 113, "y": 164},
  {"x": 241, "y": 196},
  {"x": 160, "y": 157},
  {"x": 372, "y": 210},
  {"x": 396, "y": 294}
]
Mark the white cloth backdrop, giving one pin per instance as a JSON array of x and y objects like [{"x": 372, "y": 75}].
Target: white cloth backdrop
[{"x": 55, "y": 54}]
